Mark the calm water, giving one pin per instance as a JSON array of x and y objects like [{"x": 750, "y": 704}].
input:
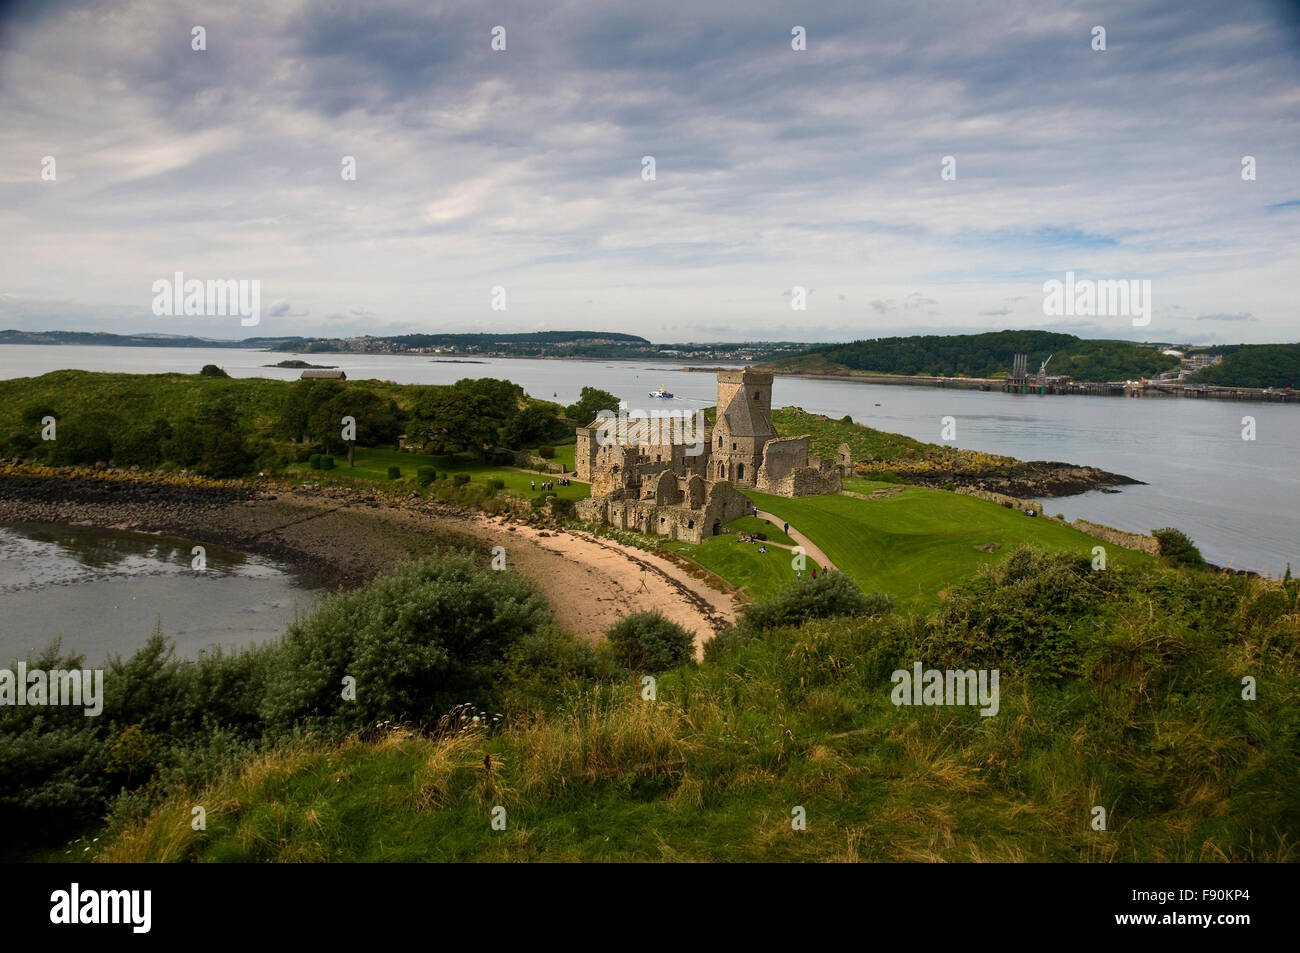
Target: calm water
[
  {"x": 104, "y": 591},
  {"x": 1236, "y": 498}
]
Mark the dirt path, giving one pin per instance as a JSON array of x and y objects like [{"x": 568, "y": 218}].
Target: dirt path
[{"x": 809, "y": 547}]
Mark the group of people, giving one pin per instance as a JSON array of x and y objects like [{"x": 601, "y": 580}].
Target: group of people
[{"x": 550, "y": 484}]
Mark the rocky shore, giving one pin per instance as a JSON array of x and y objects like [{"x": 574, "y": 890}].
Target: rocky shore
[
  {"x": 1033, "y": 479},
  {"x": 345, "y": 537},
  {"x": 306, "y": 532}
]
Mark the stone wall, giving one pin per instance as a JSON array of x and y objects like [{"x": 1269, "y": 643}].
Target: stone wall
[
  {"x": 1143, "y": 544},
  {"x": 1002, "y": 498}
]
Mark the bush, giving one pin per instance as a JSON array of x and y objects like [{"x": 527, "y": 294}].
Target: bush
[
  {"x": 543, "y": 665},
  {"x": 1178, "y": 548},
  {"x": 326, "y": 462},
  {"x": 424, "y": 476},
  {"x": 561, "y": 506},
  {"x": 496, "y": 485},
  {"x": 84, "y": 439},
  {"x": 831, "y": 595},
  {"x": 460, "y": 479},
  {"x": 846, "y": 419},
  {"x": 649, "y": 642},
  {"x": 394, "y": 473},
  {"x": 433, "y": 635},
  {"x": 314, "y": 461},
  {"x": 546, "y": 453},
  {"x": 211, "y": 370}
]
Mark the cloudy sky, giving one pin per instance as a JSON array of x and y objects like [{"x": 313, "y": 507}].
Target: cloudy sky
[{"x": 774, "y": 168}]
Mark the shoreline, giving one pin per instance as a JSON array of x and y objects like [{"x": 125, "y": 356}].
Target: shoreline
[
  {"x": 995, "y": 385},
  {"x": 346, "y": 538}
]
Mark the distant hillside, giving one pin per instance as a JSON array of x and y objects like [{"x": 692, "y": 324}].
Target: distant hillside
[
  {"x": 1259, "y": 365},
  {"x": 105, "y": 339},
  {"x": 984, "y": 355}
]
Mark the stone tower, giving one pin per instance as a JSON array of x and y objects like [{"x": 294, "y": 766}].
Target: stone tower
[{"x": 743, "y": 427}]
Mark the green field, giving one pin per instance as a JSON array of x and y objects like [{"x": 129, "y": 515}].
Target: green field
[
  {"x": 753, "y": 524},
  {"x": 563, "y": 454},
  {"x": 372, "y": 465},
  {"x": 921, "y": 542},
  {"x": 742, "y": 565}
]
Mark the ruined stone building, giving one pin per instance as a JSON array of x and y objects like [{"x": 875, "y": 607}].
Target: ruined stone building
[{"x": 678, "y": 478}]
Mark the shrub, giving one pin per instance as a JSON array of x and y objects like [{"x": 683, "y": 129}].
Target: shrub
[
  {"x": 496, "y": 485},
  {"x": 424, "y": 476},
  {"x": 394, "y": 473},
  {"x": 546, "y": 453},
  {"x": 831, "y": 595},
  {"x": 326, "y": 462},
  {"x": 314, "y": 461},
  {"x": 846, "y": 419},
  {"x": 561, "y": 506},
  {"x": 649, "y": 642},
  {"x": 211, "y": 370},
  {"x": 460, "y": 479},
  {"x": 431, "y": 636},
  {"x": 84, "y": 439},
  {"x": 1178, "y": 548},
  {"x": 544, "y": 664}
]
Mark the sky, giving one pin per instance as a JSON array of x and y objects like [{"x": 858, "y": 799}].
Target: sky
[{"x": 775, "y": 169}]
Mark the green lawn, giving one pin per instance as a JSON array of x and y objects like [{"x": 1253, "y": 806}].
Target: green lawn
[
  {"x": 753, "y": 524},
  {"x": 742, "y": 565},
  {"x": 373, "y": 464},
  {"x": 922, "y": 541},
  {"x": 563, "y": 454}
]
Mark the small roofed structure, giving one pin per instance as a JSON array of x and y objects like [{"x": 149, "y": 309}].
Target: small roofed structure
[{"x": 323, "y": 374}]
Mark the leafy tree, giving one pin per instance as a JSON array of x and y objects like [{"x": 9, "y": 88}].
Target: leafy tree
[
  {"x": 529, "y": 427},
  {"x": 469, "y": 415},
  {"x": 591, "y": 401},
  {"x": 211, "y": 370}
]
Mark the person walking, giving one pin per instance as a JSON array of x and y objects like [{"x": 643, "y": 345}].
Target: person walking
[
  {"x": 534, "y": 483},
  {"x": 814, "y": 573},
  {"x": 787, "y": 529}
]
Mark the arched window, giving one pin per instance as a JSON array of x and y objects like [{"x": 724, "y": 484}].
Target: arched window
[
  {"x": 740, "y": 471},
  {"x": 719, "y": 441}
]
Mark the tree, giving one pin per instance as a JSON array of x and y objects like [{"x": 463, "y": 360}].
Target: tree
[
  {"x": 211, "y": 370},
  {"x": 469, "y": 415},
  {"x": 590, "y": 402},
  {"x": 529, "y": 427}
]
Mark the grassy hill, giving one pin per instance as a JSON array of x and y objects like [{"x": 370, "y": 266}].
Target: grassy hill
[
  {"x": 1119, "y": 689},
  {"x": 143, "y": 397},
  {"x": 1264, "y": 365},
  {"x": 915, "y": 545},
  {"x": 982, "y": 355}
]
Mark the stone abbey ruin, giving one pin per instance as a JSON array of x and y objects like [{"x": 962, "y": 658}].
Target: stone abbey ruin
[{"x": 681, "y": 479}]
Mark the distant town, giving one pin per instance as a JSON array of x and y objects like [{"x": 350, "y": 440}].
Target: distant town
[{"x": 1048, "y": 361}]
